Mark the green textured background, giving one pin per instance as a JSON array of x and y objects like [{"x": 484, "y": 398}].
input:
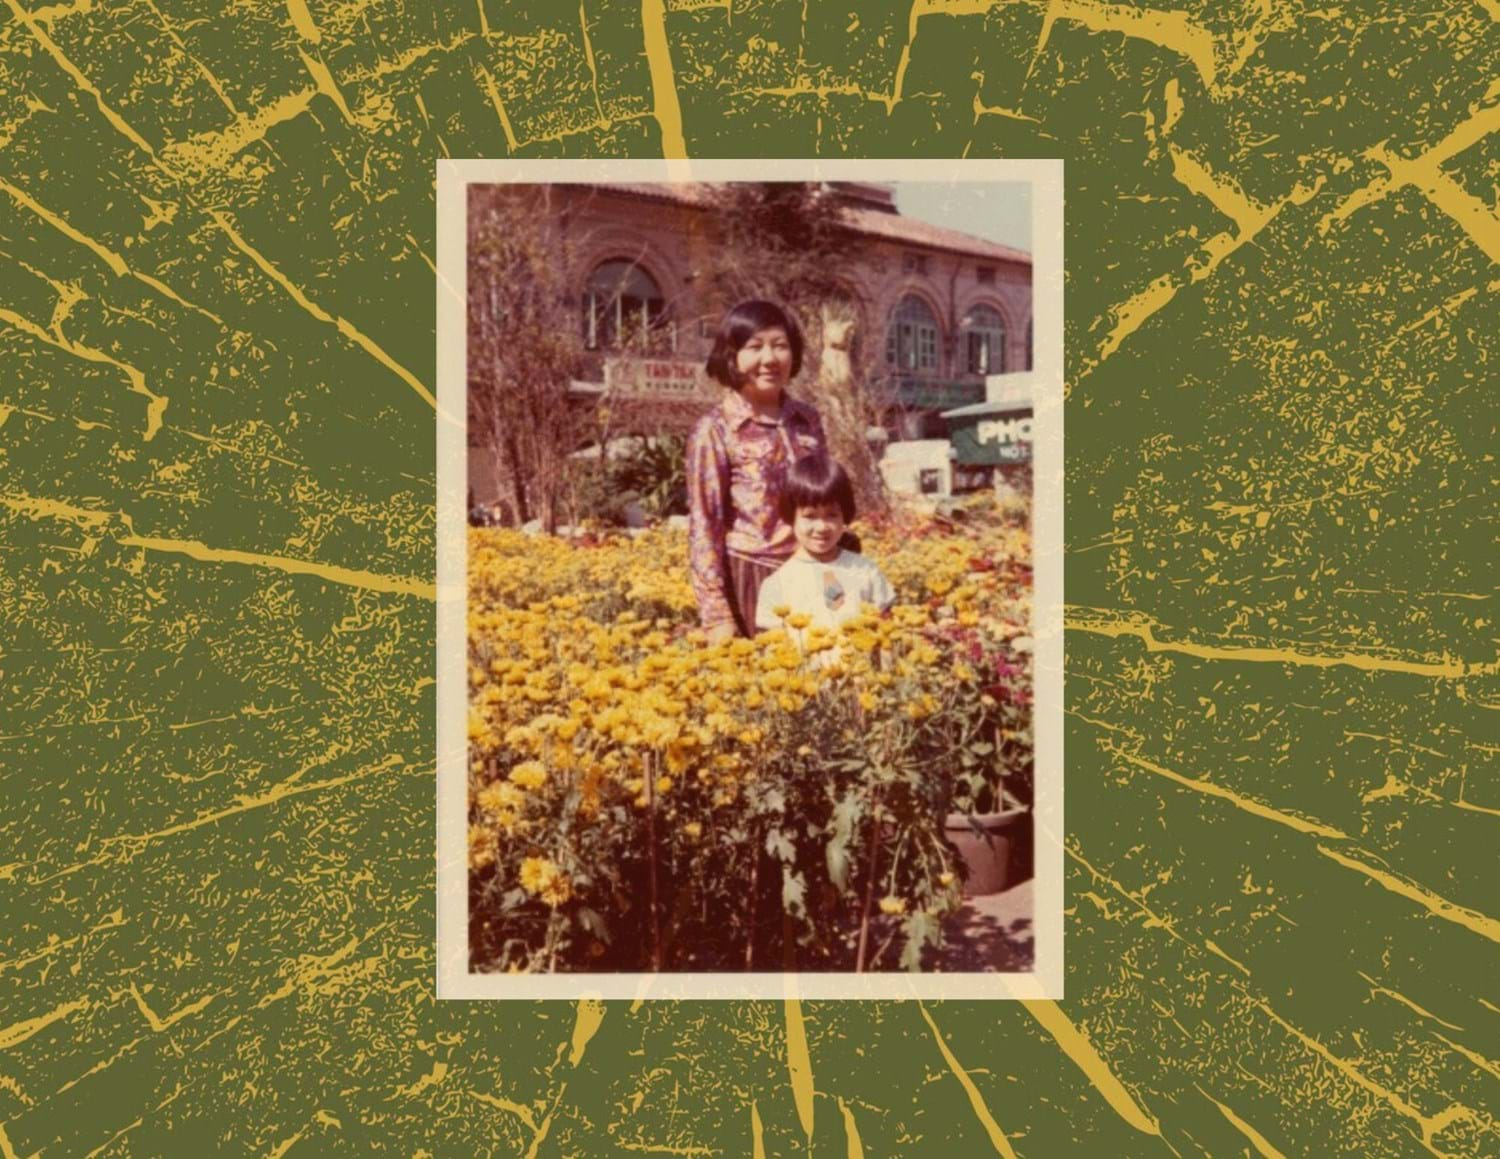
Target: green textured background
[{"x": 216, "y": 627}]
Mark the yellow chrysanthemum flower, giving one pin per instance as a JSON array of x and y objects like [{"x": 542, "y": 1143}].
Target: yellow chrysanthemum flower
[{"x": 529, "y": 775}]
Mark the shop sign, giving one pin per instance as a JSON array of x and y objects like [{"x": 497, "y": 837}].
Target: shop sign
[
  {"x": 994, "y": 440},
  {"x": 669, "y": 378}
]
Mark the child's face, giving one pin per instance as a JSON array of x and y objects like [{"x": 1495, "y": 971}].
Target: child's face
[{"x": 817, "y": 530}]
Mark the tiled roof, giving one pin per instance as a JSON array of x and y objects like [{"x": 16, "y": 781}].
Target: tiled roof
[{"x": 870, "y": 222}]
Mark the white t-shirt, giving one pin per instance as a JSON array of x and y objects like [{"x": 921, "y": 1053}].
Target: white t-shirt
[{"x": 831, "y": 593}]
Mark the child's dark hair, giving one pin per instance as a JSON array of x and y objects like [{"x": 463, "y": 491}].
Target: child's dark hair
[
  {"x": 814, "y": 481},
  {"x": 739, "y": 325}
]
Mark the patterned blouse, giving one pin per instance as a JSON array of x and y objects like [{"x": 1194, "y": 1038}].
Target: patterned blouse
[{"x": 736, "y": 464}]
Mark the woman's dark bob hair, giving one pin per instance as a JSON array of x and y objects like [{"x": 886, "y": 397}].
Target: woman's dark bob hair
[
  {"x": 739, "y": 325},
  {"x": 816, "y": 481}
]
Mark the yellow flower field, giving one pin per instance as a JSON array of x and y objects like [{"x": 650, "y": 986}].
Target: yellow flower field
[{"x": 640, "y": 799}]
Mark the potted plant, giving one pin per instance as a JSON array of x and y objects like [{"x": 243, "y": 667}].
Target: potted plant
[
  {"x": 986, "y": 841},
  {"x": 993, "y": 796}
]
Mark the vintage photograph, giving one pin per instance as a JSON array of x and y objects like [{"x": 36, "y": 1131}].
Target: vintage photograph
[{"x": 749, "y": 606}]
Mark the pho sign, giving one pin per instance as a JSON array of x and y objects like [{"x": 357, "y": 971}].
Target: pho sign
[
  {"x": 1011, "y": 437},
  {"x": 664, "y": 378},
  {"x": 993, "y": 439}
]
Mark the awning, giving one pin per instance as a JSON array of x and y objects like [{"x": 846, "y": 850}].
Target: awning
[{"x": 930, "y": 393}]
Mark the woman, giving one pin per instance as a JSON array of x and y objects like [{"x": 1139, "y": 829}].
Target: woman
[{"x": 737, "y": 458}]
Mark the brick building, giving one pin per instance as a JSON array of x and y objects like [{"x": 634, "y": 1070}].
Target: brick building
[{"x": 943, "y": 309}]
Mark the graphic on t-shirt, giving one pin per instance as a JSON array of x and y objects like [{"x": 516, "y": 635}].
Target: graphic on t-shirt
[{"x": 833, "y": 591}]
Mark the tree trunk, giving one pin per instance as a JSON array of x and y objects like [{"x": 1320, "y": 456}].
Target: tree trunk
[{"x": 845, "y": 415}]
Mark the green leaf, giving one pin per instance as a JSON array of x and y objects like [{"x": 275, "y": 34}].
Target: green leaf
[
  {"x": 846, "y": 815},
  {"x": 793, "y": 892},
  {"x": 922, "y": 929},
  {"x": 591, "y": 922},
  {"x": 779, "y": 845}
]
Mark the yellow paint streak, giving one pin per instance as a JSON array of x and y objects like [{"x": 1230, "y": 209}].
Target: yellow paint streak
[
  {"x": 155, "y": 403},
  {"x": 212, "y": 152},
  {"x": 588, "y": 55},
  {"x": 519, "y": 1110},
  {"x": 302, "y": 21},
  {"x": 285, "y": 1145},
  {"x": 1481, "y": 924},
  {"x": 1249, "y": 805},
  {"x": 1472, "y": 215},
  {"x": 159, "y": 1024},
  {"x": 36, "y": 508},
  {"x": 586, "y": 1021},
  {"x": 667, "y": 110},
  {"x": 213, "y": 81},
  {"x": 851, "y": 1132},
  {"x": 541, "y": 1133},
  {"x": 1172, "y": 95},
  {"x": 281, "y": 792},
  {"x": 1226, "y": 196},
  {"x": 982, "y": 1113},
  {"x": 1173, "y": 31},
  {"x": 799, "y": 1065},
  {"x": 19, "y": 1032},
  {"x": 1487, "y": 1065},
  {"x": 1131, "y": 314},
  {"x": 955, "y": 7},
  {"x": 757, "y": 1133},
  {"x": 432, "y": 1078},
  {"x": 78, "y": 78},
  {"x": 494, "y": 92},
  {"x": 333, "y": 573},
  {"x": 8, "y": 1150},
  {"x": 105, "y": 1063},
  {"x": 109, "y": 257},
  {"x": 1261, "y": 1144},
  {"x": 1223, "y": 192},
  {"x": 421, "y": 253},
  {"x": 1426, "y": 168},
  {"x": 1376, "y": 988},
  {"x": 345, "y": 327},
  {"x": 804, "y": 87},
  {"x": 1213, "y": 947},
  {"x": 1098, "y": 622},
  {"x": 326, "y": 85},
  {"x": 983, "y": 110},
  {"x": 917, "y": 11},
  {"x": 1049, "y": 18},
  {"x": 1078, "y": 1048},
  {"x": 1477, "y": 808},
  {"x": 1429, "y": 1124}
]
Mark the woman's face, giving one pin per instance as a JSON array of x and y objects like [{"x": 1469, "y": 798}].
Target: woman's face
[{"x": 764, "y": 364}]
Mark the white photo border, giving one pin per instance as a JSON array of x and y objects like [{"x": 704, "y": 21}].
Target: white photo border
[{"x": 454, "y": 980}]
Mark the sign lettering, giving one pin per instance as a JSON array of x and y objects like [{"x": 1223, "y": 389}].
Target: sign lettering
[
  {"x": 656, "y": 378},
  {"x": 1004, "y": 431}
]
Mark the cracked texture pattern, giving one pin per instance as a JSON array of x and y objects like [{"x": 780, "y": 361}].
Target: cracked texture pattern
[{"x": 216, "y": 617}]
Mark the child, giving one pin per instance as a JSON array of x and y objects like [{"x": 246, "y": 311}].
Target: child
[{"x": 823, "y": 581}]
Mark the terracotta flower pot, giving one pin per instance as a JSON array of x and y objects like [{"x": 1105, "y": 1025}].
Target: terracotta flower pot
[{"x": 985, "y": 853}]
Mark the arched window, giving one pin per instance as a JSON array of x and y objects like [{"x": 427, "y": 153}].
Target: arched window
[
  {"x": 911, "y": 339},
  {"x": 984, "y": 340},
  {"x": 623, "y": 309}
]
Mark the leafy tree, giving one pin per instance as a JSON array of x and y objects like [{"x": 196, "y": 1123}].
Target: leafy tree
[{"x": 524, "y": 347}]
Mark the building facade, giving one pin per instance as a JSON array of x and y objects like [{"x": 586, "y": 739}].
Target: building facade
[{"x": 936, "y": 310}]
